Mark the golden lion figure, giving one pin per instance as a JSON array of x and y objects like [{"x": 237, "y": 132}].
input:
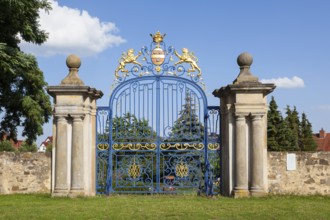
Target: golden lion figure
[
  {"x": 126, "y": 58},
  {"x": 187, "y": 57}
]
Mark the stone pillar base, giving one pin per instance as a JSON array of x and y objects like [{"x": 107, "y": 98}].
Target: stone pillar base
[
  {"x": 241, "y": 193},
  {"x": 76, "y": 192},
  {"x": 258, "y": 193},
  {"x": 60, "y": 193}
]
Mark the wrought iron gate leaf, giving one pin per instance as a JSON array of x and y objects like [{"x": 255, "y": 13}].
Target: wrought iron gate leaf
[{"x": 157, "y": 135}]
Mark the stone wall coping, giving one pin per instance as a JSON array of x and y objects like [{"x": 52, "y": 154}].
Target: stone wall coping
[
  {"x": 245, "y": 87},
  {"x": 74, "y": 89}
]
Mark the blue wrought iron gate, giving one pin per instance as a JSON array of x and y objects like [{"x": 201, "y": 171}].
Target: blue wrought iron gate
[{"x": 157, "y": 135}]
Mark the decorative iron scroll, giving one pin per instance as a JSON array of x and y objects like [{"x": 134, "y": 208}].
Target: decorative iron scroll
[
  {"x": 157, "y": 135},
  {"x": 182, "y": 170},
  {"x": 181, "y": 146},
  {"x": 134, "y": 170},
  {"x": 133, "y": 146},
  {"x": 103, "y": 146},
  {"x": 159, "y": 60},
  {"x": 213, "y": 146}
]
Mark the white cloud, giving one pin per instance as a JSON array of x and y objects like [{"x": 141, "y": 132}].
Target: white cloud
[
  {"x": 324, "y": 107},
  {"x": 285, "y": 82},
  {"x": 73, "y": 31}
]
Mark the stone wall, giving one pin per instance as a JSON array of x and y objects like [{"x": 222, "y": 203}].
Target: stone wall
[
  {"x": 25, "y": 173},
  {"x": 311, "y": 176},
  {"x": 31, "y": 173}
]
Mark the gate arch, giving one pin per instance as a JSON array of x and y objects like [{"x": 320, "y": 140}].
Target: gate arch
[{"x": 154, "y": 136}]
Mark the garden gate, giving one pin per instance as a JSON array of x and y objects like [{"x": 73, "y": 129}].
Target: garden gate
[{"x": 157, "y": 135}]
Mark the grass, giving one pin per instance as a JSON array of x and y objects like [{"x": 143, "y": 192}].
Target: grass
[{"x": 36, "y": 206}]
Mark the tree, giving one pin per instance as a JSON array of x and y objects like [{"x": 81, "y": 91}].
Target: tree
[
  {"x": 128, "y": 128},
  {"x": 274, "y": 122},
  {"x": 23, "y": 99},
  {"x": 306, "y": 142},
  {"x": 288, "y": 134},
  {"x": 286, "y": 139},
  {"x": 187, "y": 128},
  {"x": 292, "y": 119}
]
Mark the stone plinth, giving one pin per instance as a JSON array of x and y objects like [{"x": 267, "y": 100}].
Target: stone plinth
[
  {"x": 74, "y": 134},
  {"x": 243, "y": 107}
]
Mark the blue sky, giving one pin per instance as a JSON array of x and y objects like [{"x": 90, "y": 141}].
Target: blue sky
[{"x": 289, "y": 41}]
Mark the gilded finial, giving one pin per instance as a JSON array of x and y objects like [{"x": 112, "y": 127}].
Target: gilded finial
[{"x": 158, "y": 37}]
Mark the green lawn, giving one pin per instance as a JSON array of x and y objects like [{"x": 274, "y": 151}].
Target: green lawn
[{"x": 35, "y": 206}]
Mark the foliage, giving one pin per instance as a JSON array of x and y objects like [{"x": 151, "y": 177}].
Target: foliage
[
  {"x": 49, "y": 147},
  {"x": 172, "y": 207},
  {"x": 285, "y": 137},
  {"x": 274, "y": 121},
  {"x": 288, "y": 134},
  {"x": 187, "y": 128},
  {"x": 19, "y": 18},
  {"x": 26, "y": 147},
  {"x": 129, "y": 128},
  {"x": 306, "y": 142},
  {"x": 23, "y": 100},
  {"x": 292, "y": 118},
  {"x": 6, "y": 145}
]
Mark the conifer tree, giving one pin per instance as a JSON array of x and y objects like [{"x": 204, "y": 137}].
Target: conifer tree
[
  {"x": 274, "y": 121},
  {"x": 187, "y": 127},
  {"x": 292, "y": 119},
  {"x": 288, "y": 134},
  {"x": 285, "y": 137},
  {"x": 306, "y": 142}
]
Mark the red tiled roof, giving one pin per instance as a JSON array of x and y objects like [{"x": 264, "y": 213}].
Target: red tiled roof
[
  {"x": 16, "y": 144},
  {"x": 322, "y": 141},
  {"x": 48, "y": 140}
]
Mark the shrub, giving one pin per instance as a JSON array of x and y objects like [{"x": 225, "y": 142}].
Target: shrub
[
  {"x": 28, "y": 148},
  {"x": 6, "y": 146}
]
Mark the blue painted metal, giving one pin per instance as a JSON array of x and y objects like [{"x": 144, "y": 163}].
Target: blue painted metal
[
  {"x": 214, "y": 149},
  {"x": 157, "y": 135},
  {"x": 166, "y": 158},
  {"x": 102, "y": 148}
]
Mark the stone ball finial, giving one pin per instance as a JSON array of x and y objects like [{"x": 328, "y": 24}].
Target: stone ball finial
[
  {"x": 73, "y": 61},
  {"x": 244, "y": 59}
]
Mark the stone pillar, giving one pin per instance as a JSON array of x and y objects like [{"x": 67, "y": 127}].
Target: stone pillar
[
  {"x": 73, "y": 171},
  {"x": 257, "y": 158},
  {"x": 77, "y": 156},
  {"x": 241, "y": 175},
  {"x": 61, "y": 180},
  {"x": 244, "y": 132}
]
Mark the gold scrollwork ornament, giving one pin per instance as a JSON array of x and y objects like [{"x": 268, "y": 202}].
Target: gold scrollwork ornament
[
  {"x": 134, "y": 147},
  {"x": 181, "y": 170},
  {"x": 103, "y": 146},
  {"x": 180, "y": 146},
  {"x": 213, "y": 146},
  {"x": 134, "y": 170}
]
